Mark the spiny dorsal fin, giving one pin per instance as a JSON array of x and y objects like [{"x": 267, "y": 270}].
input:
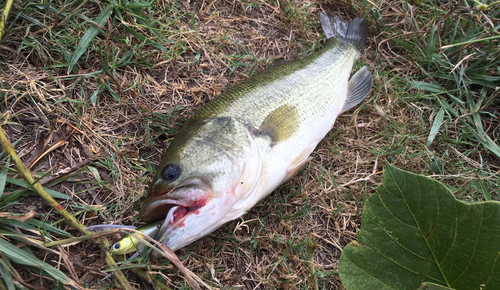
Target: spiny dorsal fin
[
  {"x": 278, "y": 62},
  {"x": 358, "y": 88},
  {"x": 280, "y": 124}
]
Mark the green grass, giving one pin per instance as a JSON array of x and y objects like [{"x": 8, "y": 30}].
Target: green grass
[
  {"x": 454, "y": 65},
  {"x": 125, "y": 75}
]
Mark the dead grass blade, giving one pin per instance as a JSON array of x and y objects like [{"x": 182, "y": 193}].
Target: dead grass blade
[{"x": 23, "y": 217}]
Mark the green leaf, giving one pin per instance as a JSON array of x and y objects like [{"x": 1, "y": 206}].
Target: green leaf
[
  {"x": 89, "y": 36},
  {"x": 3, "y": 176},
  {"x": 144, "y": 39},
  {"x": 437, "y": 166},
  {"x": 438, "y": 120},
  {"x": 96, "y": 174},
  {"x": 21, "y": 257},
  {"x": 93, "y": 98},
  {"x": 414, "y": 231},
  {"x": 47, "y": 226},
  {"x": 6, "y": 274},
  {"x": 432, "y": 286},
  {"x": 25, "y": 184},
  {"x": 14, "y": 223},
  {"x": 433, "y": 88}
]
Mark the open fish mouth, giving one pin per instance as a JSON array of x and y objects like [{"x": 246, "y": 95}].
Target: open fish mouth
[
  {"x": 186, "y": 197},
  {"x": 175, "y": 213}
]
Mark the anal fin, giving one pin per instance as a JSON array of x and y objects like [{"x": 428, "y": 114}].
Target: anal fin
[{"x": 358, "y": 88}]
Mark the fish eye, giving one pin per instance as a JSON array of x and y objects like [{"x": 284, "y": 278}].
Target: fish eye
[
  {"x": 116, "y": 246},
  {"x": 171, "y": 172}
]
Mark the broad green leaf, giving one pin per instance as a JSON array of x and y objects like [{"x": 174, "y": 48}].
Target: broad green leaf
[
  {"x": 89, "y": 36},
  {"x": 432, "y": 286},
  {"x": 414, "y": 231},
  {"x": 21, "y": 257}
]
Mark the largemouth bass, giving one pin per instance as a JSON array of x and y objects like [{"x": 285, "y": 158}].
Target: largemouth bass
[{"x": 246, "y": 142}]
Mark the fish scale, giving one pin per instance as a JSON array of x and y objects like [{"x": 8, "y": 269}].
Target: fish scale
[{"x": 256, "y": 98}]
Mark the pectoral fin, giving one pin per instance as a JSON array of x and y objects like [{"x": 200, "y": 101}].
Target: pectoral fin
[
  {"x": 358, "y": 88},
  {"x": 280, "y": 124}
]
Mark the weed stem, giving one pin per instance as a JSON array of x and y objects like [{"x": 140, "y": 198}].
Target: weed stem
[
  {"x": 311, "y": 247},
  {"x": 5, "y": 14}
]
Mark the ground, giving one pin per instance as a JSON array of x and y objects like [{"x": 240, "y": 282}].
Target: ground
[{"x": 95, "y": 129}]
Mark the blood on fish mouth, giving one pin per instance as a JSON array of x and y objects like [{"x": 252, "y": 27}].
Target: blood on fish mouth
[
  {"x": 180, "y": 213},
  {"x": 173, "y": 219},
  {"x": 175, "y": 213}
]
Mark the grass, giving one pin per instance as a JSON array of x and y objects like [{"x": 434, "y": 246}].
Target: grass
[
  {"x": 114, "y": 81},
  {"x": 457, "y": 75}
]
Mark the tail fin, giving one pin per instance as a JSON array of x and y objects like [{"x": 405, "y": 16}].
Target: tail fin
[{"x": 354, "y": 32}]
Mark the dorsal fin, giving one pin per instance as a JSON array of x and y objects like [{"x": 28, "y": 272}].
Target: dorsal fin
[
  {"x": 280, "y": 124},
  {"x": 278, "y": 62},
  {"x": 358, "y": 88}
]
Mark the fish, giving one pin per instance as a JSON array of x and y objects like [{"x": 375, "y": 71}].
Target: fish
[
  {"x": 243, "y": 144},
  {"x": 129, "y": 243}
]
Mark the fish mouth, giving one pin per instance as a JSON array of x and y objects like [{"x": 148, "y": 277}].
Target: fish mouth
[
  {"x": 175, "y": 210},
  {"x": 186, "y": 197},
  {"x": 176, "y": 215}
]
